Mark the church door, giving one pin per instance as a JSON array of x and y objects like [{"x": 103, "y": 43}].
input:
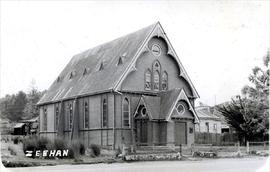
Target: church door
[
  {"x": 141, "y": 124},
  {"x": 180, "y": 132}
]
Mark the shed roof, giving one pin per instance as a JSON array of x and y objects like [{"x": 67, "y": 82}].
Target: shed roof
[{"x": 19, "y": 125}]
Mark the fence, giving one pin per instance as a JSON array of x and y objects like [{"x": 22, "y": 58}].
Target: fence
[
  {"x": 257, "y": 146},
  {"x": 225, "y": 139}
]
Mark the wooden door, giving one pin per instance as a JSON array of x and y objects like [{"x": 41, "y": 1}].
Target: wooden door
[
  {"x": 141, "y": 131},
  {"x": 180, "y": 131}
]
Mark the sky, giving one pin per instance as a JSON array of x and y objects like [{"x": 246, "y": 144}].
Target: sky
[{"x": 218, "y": 42}]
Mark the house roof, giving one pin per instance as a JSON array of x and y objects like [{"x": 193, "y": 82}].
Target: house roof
[
  {"x": 203, "y": 112},
  {"x": 100, "y": 65}
]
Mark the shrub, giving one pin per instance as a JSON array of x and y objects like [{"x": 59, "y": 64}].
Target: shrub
[
  {"x": 43, "y": 143},
  {"x": 12, "y": 150},
  {"x": 60, "y": 144},
  {"x": 16, "y": 140},
  {"x": 30, "y": 144},
  {"x": 76, "y": 148},
  {"x": 95, "y": 149}
]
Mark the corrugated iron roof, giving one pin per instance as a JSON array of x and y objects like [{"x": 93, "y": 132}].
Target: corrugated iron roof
[
  {"x": 103, "y": 67},
  {"x": 19, "y": 125},
  {"x": 204, "y": 113}
]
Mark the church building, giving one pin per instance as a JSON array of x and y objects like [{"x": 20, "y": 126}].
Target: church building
[{"x": 133, "y": 90}]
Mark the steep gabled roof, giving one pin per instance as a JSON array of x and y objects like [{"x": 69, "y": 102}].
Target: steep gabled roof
[
  {"x": 105, "y": 72},
  {"x": 102, "y": 62}
]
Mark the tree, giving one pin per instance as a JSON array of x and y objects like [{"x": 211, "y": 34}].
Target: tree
[
  {"x": 33, "y": 97},
  {"x": 13, "y": 106},
  {"x": 249, "y": 115}
]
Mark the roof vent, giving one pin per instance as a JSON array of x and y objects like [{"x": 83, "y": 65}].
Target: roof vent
[
  {"x": 121, "y": 59},
  {"x": 72, "y": 74},
  {"x": 58, "y": 79},
  {"x": 101, "y": 67},
  {"x": 86, "y": 71}
]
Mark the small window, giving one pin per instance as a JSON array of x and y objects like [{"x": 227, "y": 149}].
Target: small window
[
  {"x": 70, "y": 116},
  {"x": 126, "y": 113},
  {"x": 86, "y": 114},
  {"x": 156, "y": 50},
  {"x": 180, "y": 108},
  {"x": 207, "y": 127},
  {"x": 147, "y": 78},
  {"x": 44, "y": 119},
  {"x": 215, "y": 127},
  {"x": 104, "y": 113},
  {"x": 143, "y": 112},
  {"x": 190, "y": 130},
  {"x": 56, "y": 116}
]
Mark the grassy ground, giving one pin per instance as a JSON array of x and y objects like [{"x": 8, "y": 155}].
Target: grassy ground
[{"x": 19, "y": 158}]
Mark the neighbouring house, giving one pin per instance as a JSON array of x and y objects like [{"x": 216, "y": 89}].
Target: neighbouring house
[
  {"x": 133, "y": 90},
  {"x": 209, "y": 122}
]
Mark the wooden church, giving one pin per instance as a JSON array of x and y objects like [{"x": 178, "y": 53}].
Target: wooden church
[{"x": 133, "y": 90}]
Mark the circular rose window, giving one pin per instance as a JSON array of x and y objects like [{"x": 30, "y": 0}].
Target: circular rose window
[
  {"x": 143, "y": 111},
  {"x": 156, "y": 50},
  {"x": 180, "y": 109}
]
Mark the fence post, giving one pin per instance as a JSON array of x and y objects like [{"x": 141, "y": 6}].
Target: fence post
[
  {"x": 180, "y": 149},
  {"x": 247, "y": 146}
]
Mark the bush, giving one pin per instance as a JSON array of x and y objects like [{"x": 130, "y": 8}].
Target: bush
[
  {"x": 60, "y": 144},
  {"x": 12, "y": 151},
  {"x": 43, "y": 143},
  {"x": 16, "y": 140},
  {"x": 95, "y": 149},
  {"x": 76, "y": 148},
  {"x": 30, "y": 144}
]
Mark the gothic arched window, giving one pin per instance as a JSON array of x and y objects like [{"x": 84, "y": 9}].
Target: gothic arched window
[
  {"x": 156, "y": 80},
  {"x": 70, "y": 115},
  {"x": 156, "y": 75},
  {"x": 164, "y": 81},
  {"x": 126, "y": 113},
  {"x": 147, "y": 78},
  {"x": 104, "y": 113},
  {"x": 86, "y": 114}
]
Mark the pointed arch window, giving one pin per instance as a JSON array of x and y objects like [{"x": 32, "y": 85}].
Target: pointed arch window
[
  {"x": 156, "y": 80},
  {"x": 147, "y": 78},
  {"x": 56, "y": 116},
  {"x": 86, "y": 114},
  {"x": 104, "y": 113},
  {"x": 156, "y": 75},
  {"x": 164, "y": 82},
  {"x": 45, "y": 119},
  {"x": 70, "y": 115},
  {"x": 126, "y": 113}
]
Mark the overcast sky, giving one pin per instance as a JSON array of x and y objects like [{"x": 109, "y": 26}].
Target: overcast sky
[{"x": 218, "y": 42}]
